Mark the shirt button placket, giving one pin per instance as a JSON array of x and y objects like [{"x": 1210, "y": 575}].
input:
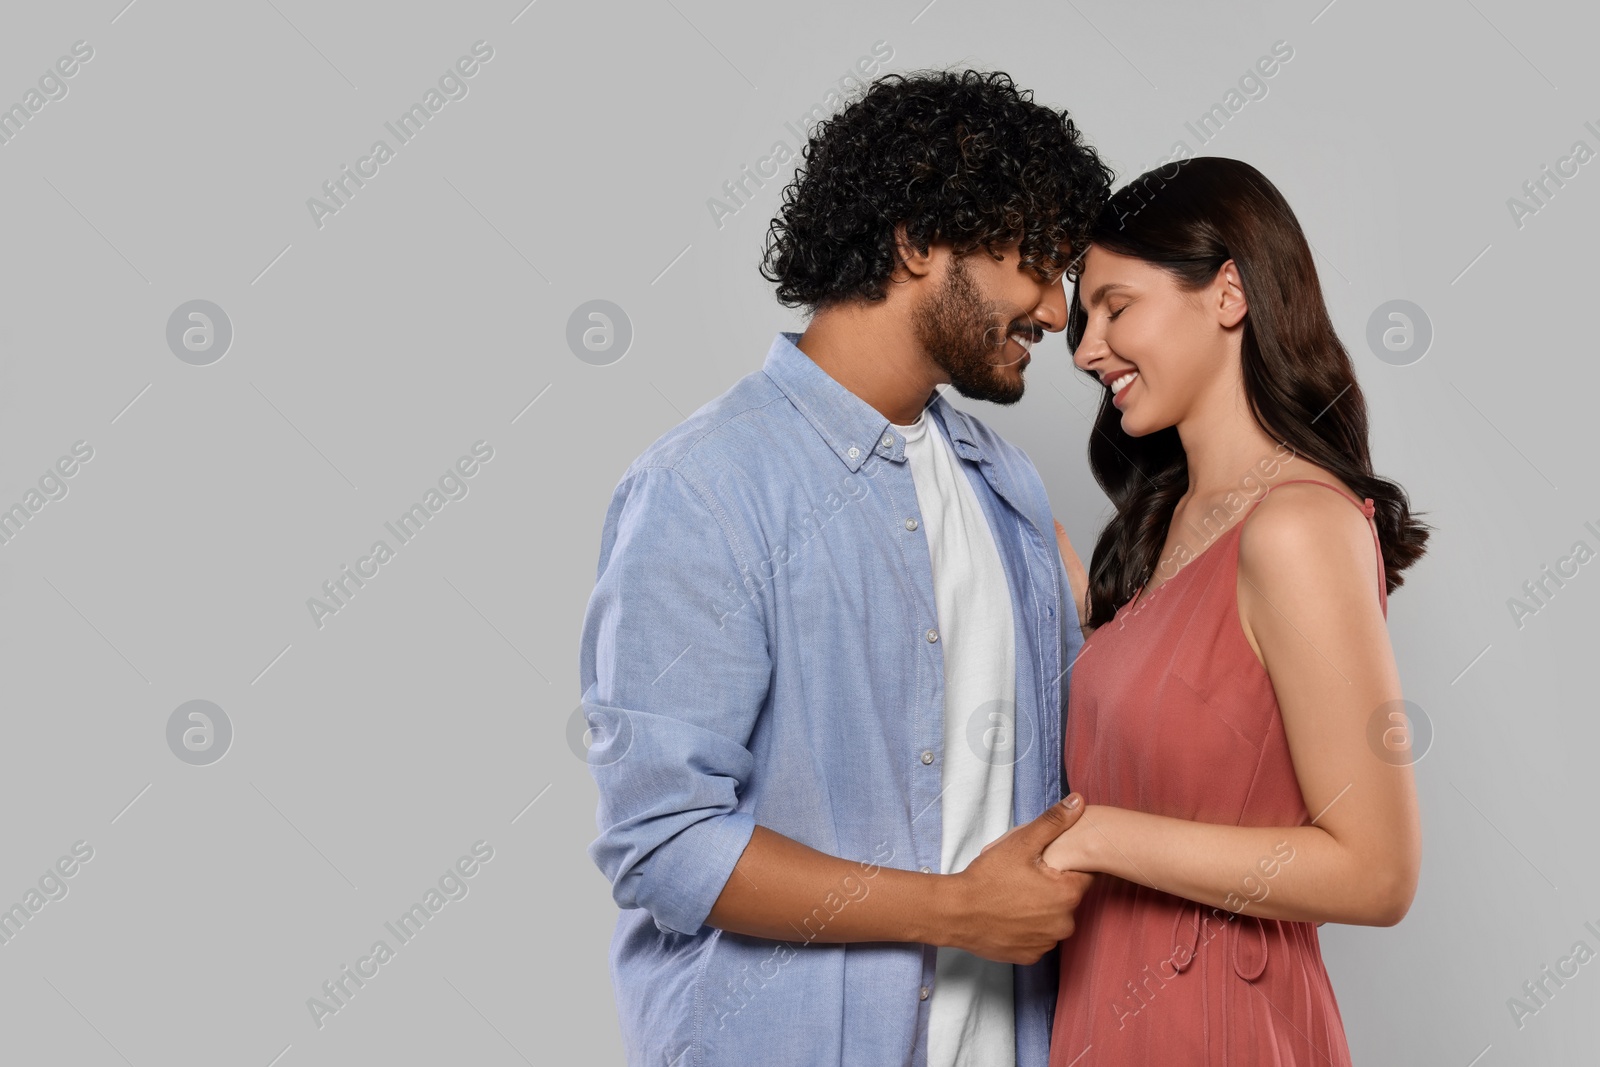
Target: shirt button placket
[{"x": 926, "y": 756}]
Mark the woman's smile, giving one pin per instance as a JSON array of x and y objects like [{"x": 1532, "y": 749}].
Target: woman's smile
[{"x": 1119, "y": 387}]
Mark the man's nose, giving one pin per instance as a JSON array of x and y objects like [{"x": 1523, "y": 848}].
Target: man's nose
[{"x": 1051, "y": 310}]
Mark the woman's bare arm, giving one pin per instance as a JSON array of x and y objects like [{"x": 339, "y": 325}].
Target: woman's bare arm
[
  {"x": 1077, "y": 578},
  {"x": 1309, "y": 601}
]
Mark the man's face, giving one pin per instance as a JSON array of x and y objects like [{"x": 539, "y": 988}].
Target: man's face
[{"x": 981, "y": 322}]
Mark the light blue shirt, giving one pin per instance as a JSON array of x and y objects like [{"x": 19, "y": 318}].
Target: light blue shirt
[{"x": 762, "y": 646}]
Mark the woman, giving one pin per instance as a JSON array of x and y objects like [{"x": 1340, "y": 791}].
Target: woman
[{"x": 1234, "y": 718}]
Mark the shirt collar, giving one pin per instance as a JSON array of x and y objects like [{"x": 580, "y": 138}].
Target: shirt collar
[{"x": 850, "y": 426}]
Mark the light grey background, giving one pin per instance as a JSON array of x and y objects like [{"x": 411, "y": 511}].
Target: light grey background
[{"x": 431, "y": 311}]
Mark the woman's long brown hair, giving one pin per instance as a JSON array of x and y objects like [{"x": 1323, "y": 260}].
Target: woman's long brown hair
[{"x": 1189, "y": 218}]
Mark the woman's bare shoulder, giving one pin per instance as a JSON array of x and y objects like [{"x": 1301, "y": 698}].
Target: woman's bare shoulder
[{"x": 1299, "y": 527}]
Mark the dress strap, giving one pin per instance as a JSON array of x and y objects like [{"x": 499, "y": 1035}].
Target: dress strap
[{"x": 1367, "y": 508}]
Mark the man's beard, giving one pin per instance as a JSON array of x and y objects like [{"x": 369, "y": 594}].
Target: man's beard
[{"x": 958, "y": 329}]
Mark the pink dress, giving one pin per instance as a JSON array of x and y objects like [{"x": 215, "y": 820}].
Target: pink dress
[{"x": 1170, "y": 712}]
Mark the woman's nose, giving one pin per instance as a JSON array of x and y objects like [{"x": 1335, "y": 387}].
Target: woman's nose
[{"x": 1091, "y": 350}]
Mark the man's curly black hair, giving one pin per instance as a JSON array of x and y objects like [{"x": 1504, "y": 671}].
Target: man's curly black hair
[{"x": 966, "y": 158}]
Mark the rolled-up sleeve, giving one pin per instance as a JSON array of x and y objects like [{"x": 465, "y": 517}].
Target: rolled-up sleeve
[{"x": 675, "y": 668}]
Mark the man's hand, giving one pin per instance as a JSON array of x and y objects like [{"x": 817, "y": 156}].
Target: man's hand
[{"x": 1008, "y": 904}]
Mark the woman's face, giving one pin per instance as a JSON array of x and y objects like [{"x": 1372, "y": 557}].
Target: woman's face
[{"x": 1177, "y": 348}]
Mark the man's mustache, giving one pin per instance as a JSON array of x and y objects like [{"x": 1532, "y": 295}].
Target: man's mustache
[{"x": 1027, "y": 333}]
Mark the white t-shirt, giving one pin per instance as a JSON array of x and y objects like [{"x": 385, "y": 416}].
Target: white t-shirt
[{"x": 971, "y": 1023}]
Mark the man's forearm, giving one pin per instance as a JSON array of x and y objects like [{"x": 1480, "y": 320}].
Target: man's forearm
[{"x": 786, "y": 891}]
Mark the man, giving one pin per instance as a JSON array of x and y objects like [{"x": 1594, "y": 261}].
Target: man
[{"x": 827, "y": 649}]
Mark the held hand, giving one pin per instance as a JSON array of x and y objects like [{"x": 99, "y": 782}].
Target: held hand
[
  {"x": 1067, "y": 852},
  {"x": 1009, "y": 905}
]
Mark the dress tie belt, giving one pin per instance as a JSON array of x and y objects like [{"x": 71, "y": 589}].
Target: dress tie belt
[{"x": 1245, "y": 937}]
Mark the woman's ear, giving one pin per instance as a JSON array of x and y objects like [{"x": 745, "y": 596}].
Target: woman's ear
[{"x": 1231, "y": 304}]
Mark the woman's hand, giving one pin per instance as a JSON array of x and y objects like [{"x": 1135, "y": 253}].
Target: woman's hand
[
  {"x": 1069, "y": 851},
  {"x": 1066, "y": 852},
  {"x": 1077, "y": 578}
]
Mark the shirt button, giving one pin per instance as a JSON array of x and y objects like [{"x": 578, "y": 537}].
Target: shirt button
[
  {"x": 911, "y": 524},
  {"x": 887, "y": 440},
  {"x": 923, "y": 995},
  {"x": 933, "y": 635},
  {"x": 925, "y": 870},
  {"x": 854, "y": 452},
  {"x": 927, "y": 756}
]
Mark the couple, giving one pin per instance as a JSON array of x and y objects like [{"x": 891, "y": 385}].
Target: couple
[{"x": 841, "y": 666}]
